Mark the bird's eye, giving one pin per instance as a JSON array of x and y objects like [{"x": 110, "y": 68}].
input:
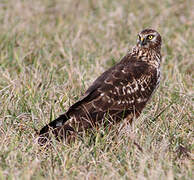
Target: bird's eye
[{"x": 150, "y": 37}]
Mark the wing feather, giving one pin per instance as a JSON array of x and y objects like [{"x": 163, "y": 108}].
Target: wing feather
[{"x": 118, "y": 88}]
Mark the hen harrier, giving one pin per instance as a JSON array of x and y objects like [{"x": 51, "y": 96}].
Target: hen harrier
[{"x": 119, "y": 93}]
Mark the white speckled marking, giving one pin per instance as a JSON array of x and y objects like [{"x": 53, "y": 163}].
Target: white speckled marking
[{"x": 128, "y": 91}]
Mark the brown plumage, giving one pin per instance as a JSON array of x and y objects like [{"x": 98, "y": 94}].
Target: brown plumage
[{"x": 120, "y": 92}]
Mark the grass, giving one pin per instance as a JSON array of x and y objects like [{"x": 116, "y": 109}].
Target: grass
[{"x": 52, "y": 50}]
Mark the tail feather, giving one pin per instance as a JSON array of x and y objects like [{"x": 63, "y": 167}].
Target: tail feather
[
  {"x": 54, "y": 124},
  {"x": 57, "y": 128}
]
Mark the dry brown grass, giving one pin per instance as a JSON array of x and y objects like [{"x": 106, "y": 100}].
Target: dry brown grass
[{"x": 52, "y": 50}]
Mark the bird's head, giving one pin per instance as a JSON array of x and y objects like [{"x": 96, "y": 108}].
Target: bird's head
[{"x": 149, "y": 38}]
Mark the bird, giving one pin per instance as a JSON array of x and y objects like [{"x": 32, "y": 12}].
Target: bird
[{"x": 120, "y": 93}]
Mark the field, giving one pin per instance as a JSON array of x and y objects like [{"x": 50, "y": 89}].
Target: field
[{"x": 52, "y": 50}]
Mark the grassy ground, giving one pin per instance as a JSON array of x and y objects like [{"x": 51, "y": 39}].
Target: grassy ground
[{"x": 52, "y": 50}]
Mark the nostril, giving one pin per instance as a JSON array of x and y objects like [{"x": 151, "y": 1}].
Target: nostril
[{"x": 142, "y": 43}]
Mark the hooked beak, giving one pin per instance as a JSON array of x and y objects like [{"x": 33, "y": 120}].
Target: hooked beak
[{"x": 142, "y": 41}]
